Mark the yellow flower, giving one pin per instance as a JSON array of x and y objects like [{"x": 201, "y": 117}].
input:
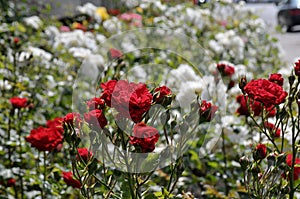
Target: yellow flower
[
  {"x": 102, "y": 12},
  {"x": 139, "y": 10}
]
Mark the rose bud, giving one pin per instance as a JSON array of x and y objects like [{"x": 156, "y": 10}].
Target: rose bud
[
  {"x": 244, "y": 161},
  {"x": 260, "y": 152}
]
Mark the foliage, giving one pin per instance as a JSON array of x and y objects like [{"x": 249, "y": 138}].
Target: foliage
[{"x": 200, "y": 53}]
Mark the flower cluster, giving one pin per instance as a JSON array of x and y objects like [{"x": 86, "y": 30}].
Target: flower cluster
[{"x": 272, "y": 157}]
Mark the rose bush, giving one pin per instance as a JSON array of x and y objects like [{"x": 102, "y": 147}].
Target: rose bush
[{"x": 41, "y": 57}]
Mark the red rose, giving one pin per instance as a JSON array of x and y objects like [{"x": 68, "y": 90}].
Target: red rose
[
  {"x": 260, "y": 152},
  {"x": 18, "y": 102},
  {"x": 131, "y": 100},
  {"x": 265, "y": 92},
  {"x": 84, "y": 154},
  {"x": 114, "y": 53},
  {"x": 44, "y": 139},
  {"x": 70, "y": 181},
  {"x": 72, "y": 118},
  {"x": 207, "y": 111},
  {"x": 243, "y": 109},
  {"x": 16, "y": 40},
  {"x": 225, "y": 69},
  {"x": 95, "y": 103},
  {"x": 275, "y": 132},
  {"x": 161, "y": 93},
  {"x": 114, "y": 12},
  {"x": 95, "y": 118},
  {"x": 255, "y": 106},
  {"x": 276, "y": 78},
  {"x": 297, "y": 68},
  {"x": 56, "y": 124},
  {"x": 144, "y": 137},
  {"x": 108, "y": 89},
  {"x": 289, "y": 162},
  {"x": 8, "y": 182}
]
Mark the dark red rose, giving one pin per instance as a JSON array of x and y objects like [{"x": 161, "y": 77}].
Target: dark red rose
[
  {"x": 95, "y": 103},
  {"x": 114, "y": 12},
  {"x": 10, "y": 182},
  {"x": 95, "y": 118},
  {"x": 276, "y": 78},
  {"x": 108, "y": 89},
  {"x": 243, "y": 109},
  {"x": 255, "y": 106},
  {"x": 56, "y": 124},
  {"x": 84, "y": 154},
  {"x": 266, "y": 92},
  {"x": 70, "y": 181},
  {"x": 72, "y": 118},
  {"x": 230, "y": 84},
  {"x": 114, "y": 53},
  {"x": 289, "y": 162},
  {"x": 297, "y": 68},
  {"x": 131, "y": 100},
  {"x": 144, "y": 137},
  {"x": 161, "y": 93},
  {"x": 274, "y": 132},
  {"x": 16, "y": 40},
  {"x": 225, "y": 69},
  {"x": 18, "y": 102},
  {"x": 260, "y": 152},
  {"x": 207, "y": 111},
  {"x": 44, "y": 139}
]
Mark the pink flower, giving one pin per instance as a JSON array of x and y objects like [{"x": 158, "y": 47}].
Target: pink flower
[
  {"x": 114, "y": 53},
  {"x": 64, "y": 29},
  {"x": 130, "y": 16}
]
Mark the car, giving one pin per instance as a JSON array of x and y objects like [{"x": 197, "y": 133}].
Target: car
[{"x": 288, "y": 14}]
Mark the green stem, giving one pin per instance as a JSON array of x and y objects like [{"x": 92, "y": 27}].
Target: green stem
[
  {"x": 129, "y": 175},
  {"x": 19, "y": 116},
  {"x": 225, "y": 162},
  {"x": 45, "y": 175}
]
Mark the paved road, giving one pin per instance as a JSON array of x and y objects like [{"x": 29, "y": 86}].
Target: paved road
[{"x": 290, "y": 42}]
